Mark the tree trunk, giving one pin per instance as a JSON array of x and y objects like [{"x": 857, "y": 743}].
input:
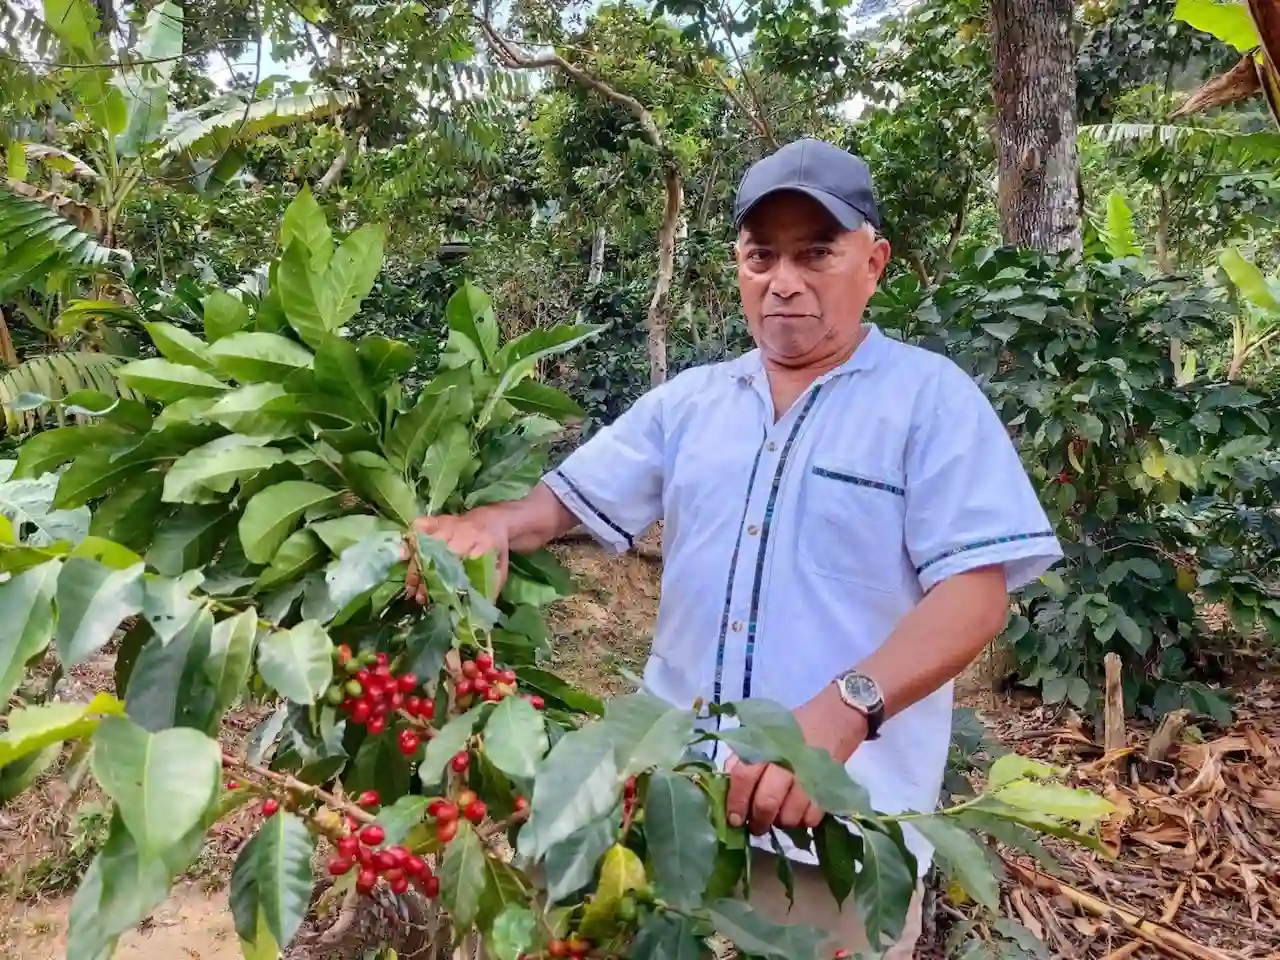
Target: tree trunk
[
  {"x": 659, "y": 306},
  {"x": 597, "y": 257},
  {"x": 1035, "y": 95}
]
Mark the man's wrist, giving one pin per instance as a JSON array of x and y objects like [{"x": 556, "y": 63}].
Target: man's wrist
[{"x": 863, "y": 697}]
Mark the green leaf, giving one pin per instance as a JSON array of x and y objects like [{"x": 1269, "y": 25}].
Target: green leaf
[
  {"x": 203, "y": 473},
  {"x": 401, "y": 817},
  {"x": 18, "y": 776},
  {"x": 223, "y": 315},
  {"x": 839, "y": 852},
  {"x": 571, "y": 863},
  {"x": 962, "y": 858},
  {"x": 26, "y": 610},
  {"x": 167, "y": 604},
  {"x": 557, "y": 691},
  {"x": 75, "y": 23},
  {"x": 1132, "y": 633},
  {"x": 354, "y": 268},
  {"x": 576, "y": 784},
  {"x": 470, "y": 314},
  {"x": 230, "y": 661},
  {"x": 258, "y": 357},
  {"x": 50, "y": 449},
  {"x": 169, "y": 382},
  {"x": 450, "y": 739},
  {"x": 883, "y": 888},
  {"x": 338, "y": 371},
  {"x": 1229, "y": 22},
  {"x": 416, "y": 430},
  {"x": 519, "y": 358},
  {"x": 343, "y": 532},
  {"x": 769, "y": 733},
  {"x": 129, "y": 515},
  {"x": 363, "y": 566},
  {"x": 512, "y": 933},
  {"x": 533, "y": 397},
  {"x": 647, "y": 732},
  {"x": 462, "y": 875},
  {"x": 384, "y": 359},
  {"x": 179, "y": 345},
  {"x": 271, "y": 515},
  {"x": 515, "y": 738},
  {"x": 168, "y": 685},
  {"x": 146, "y": 90},
  {"x": 272, "y": 879},
  {"x": 1055, "y": 800},
  {"x": 304, "y": 222},
  {"x": 92, "y": 600},
  {"x": 188, "y": 539},
  {"x": 162, "y": 783},
  {"x": 34, "y": 728},
  {"x": 681, "y": 838},
  {"x": 1247, "y": 278},
  {"x": 1009, "y": 767},
  {"x": 667, "y": 937},
  {"x": 754, "y": 934},
  {"x": 376, "y": 480},
  {"x": 240, "y": 409},
  {"x": 299, "y": 553},
  {"x": 430, "y": 639},
  {"x": 297, "y": 663},
  {"x": 444, "y": 463},
  {"x": 307, "y": 299},
  {"x": 1121, "y": 238},
  {"x": 121, "y": 888}
]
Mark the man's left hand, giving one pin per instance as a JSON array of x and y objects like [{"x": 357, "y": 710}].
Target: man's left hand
[{"x": 765, "y": 795}]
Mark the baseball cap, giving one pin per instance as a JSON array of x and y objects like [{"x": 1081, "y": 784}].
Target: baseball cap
[{"x": 835, "y": 178}]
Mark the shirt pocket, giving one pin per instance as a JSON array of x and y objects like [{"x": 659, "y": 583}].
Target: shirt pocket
[{"x": 851, "y": 525}]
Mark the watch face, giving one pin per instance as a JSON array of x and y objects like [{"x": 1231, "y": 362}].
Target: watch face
[{"x": 861, "y": 690}]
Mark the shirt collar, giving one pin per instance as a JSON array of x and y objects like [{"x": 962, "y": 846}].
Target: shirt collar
[{"x": 866, "y": 356}]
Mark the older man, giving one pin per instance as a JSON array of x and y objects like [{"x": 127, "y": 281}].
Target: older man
[{"x": 843, "y": 518}]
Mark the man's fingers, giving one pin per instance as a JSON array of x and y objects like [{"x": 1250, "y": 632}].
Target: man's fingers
[
  {"x": 770, "y": 795},
  {"x": 794, "y": 807},
  {"x": 812, "y": 817},
  {"x": 742, "y": 784}
]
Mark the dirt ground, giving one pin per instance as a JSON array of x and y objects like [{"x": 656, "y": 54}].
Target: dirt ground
[{"x": 1214, "y": 796}]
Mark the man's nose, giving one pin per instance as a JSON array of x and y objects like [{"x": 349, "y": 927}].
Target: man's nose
[{"x": 786, "y": 281}]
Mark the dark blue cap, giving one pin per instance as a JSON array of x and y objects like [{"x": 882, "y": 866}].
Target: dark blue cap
[{"x": 835, "y": 178}]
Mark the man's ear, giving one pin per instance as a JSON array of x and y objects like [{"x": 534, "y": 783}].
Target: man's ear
[{"x": 879, "y": 257}]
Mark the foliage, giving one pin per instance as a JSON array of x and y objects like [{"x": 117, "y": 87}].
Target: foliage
[
  {"x": 249, "y": 523},
  {"x": 1156, "y": 490}
]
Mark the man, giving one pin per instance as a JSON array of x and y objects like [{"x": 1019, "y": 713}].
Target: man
[{"x": 843, "y": 519}]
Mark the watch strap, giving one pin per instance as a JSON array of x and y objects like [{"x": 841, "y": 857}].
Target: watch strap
[{"x": 873, "y": 712}]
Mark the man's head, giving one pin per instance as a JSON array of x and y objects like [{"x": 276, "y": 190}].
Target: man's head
[{"x": 808, "y": 253}]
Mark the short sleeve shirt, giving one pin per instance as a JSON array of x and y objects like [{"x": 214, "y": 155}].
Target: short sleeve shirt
[{"x": 793, "y": 547}]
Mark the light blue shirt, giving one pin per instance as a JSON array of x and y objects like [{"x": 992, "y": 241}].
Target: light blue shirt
[{"x": 792, "y": 548}]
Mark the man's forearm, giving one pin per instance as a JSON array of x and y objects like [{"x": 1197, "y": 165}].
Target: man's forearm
[
  {"x": 940, "y": 637},
  {"x": 533, "y": 521}
]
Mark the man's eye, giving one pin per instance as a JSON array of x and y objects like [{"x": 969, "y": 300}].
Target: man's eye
[
  {"x": 758, "y": 256},
  {"x": 818, "y": 253}
]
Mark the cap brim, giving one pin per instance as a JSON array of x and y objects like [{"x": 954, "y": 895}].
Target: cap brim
[{"x": 845, "y": 214}]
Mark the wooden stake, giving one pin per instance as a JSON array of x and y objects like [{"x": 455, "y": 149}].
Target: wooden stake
[
  {"x": 1113, "y": 716},
  {"x": 1166, "y": 735}
]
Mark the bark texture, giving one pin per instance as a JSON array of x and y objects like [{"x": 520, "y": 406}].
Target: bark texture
[{"x": 1035, "y": 96}]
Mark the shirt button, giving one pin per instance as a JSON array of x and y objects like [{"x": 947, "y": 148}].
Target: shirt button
[
  {"x": 771, "y": 446},
  {"x": 753, "y": 530},
  {"x": 737, "y": 626}
]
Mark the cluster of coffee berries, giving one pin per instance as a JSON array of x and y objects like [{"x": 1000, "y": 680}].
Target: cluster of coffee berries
[
  {"x": 575, "y": 948},
  {"x": 394, "y": 864},
  {"x": 481, "y": 679},
  {"x": 372, "y": 694}
]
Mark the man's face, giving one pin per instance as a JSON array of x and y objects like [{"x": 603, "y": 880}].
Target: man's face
[{"x": 805, "y": 280}]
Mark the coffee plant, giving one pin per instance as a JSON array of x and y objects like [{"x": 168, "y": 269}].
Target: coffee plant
[
  {"x": 1159, "y": 490},
  {"x": 248, "y": 540}
]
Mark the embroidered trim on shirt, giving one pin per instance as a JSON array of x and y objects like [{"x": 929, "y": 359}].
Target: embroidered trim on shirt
[
  {"x": 733, "y": 569},
  {"x": 859, "y": 481},
  {"x": 764, "y": 540},
  {"x": 573, "y": 487},
  {"x": 979, "y": 544}
]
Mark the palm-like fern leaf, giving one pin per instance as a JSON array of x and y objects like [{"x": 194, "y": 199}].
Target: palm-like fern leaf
[
  {"x": 1262, "y": 146},
  {"x": 35, "y": 239},
  {"x": 54, "y": 377}
]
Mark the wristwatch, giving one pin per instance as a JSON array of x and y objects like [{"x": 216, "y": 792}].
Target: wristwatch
[{"x": 863, "y": 694}]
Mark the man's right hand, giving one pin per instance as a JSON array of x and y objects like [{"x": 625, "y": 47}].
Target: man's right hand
[{"x": 472, "y": 534}]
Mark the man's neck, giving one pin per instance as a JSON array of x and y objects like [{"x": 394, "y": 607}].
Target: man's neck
[{"x": 787, "y": 383}]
